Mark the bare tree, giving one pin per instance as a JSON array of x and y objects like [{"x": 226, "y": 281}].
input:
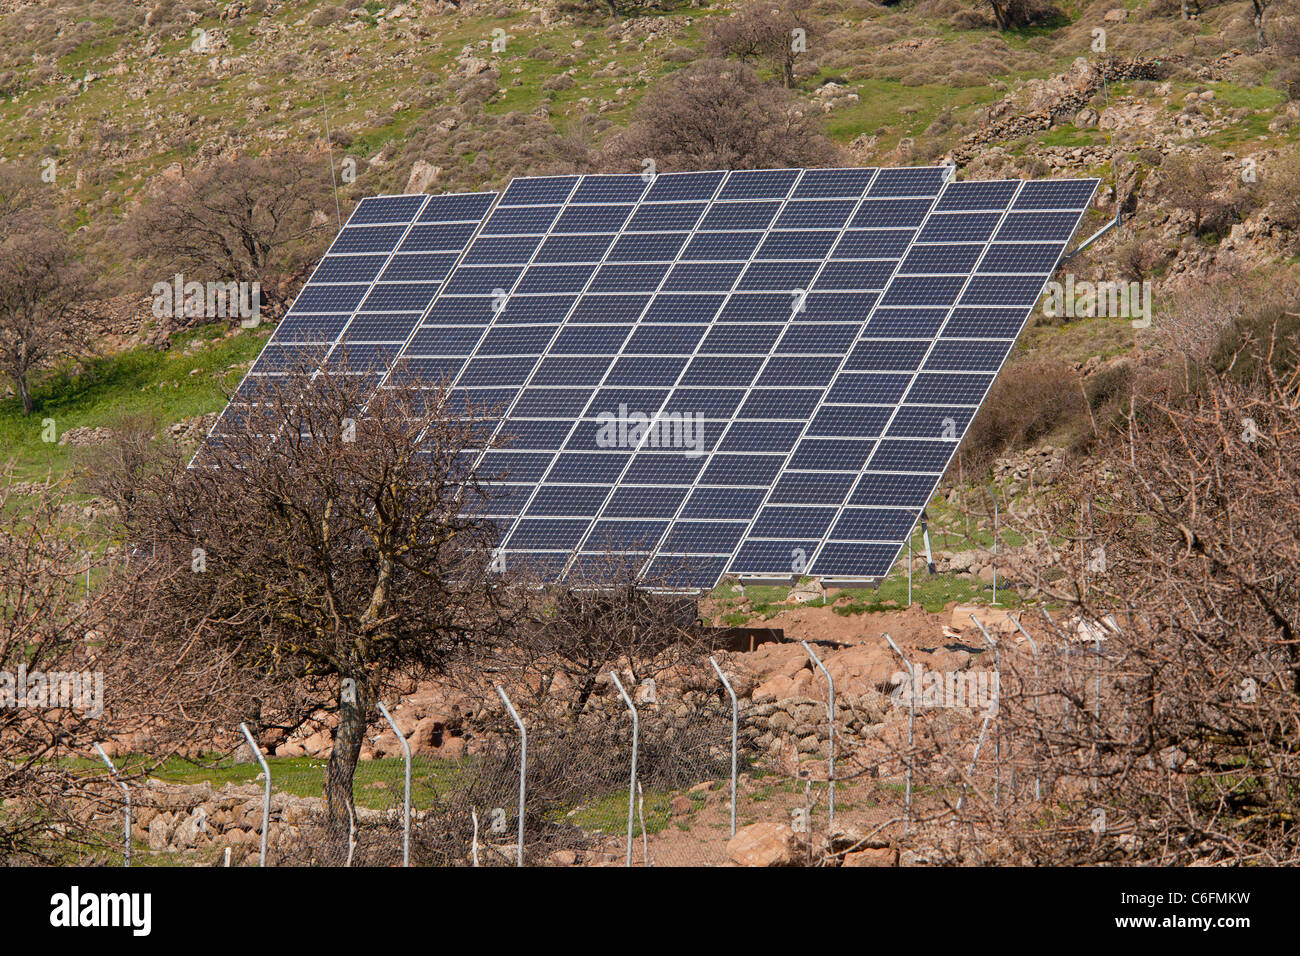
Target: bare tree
[
  {"x": 720, "y": 115},
  {"x": 1258, "y": 8},
  {"x": 50, "y": 707},
  {"x": 247, "y": 219},
  {"x": 114, "y": 470},
  {"x": 40, "y": 283},
  {"x": 1009, "y": 14},
  {"x": 1282, "y": 189},
  {"x": 1195, "y": 182},
  {"x": 313, "y": 556},
  {"x": 1161, "y": 725},
  {"x": 772, "y": 32},
  {"x": 1286, "y": 51},
  {"x": 604, "y": 616}
]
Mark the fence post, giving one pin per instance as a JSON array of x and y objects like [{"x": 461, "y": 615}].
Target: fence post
[
  {"x": 997, "y": 735},
  {"x": 735, "y": 726},
  {"x": 830, "y": 713},
  {"x": 126, "y": 794},
  {"x": 1038, "y": 774},
  {"x": 911, "y": 722},
  {"x": 994, "y": 496},
  {"x": 631, "y": 787},
  {"x": 406, "y": 793},
  {"x": 266, "y": 794},
  {"x": 523, "y": 768}
]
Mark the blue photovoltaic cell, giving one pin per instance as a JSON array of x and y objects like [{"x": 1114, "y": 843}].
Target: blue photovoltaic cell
[
  {"x": 1038, "y": 226},
  {"x": 960, "y": 227},
  {"x": 739, "y": 215},
  {"x": 382, "y": 209},
  {"x": 1003, "y": 290},
  {"x": 962, "y": 354},
  {"x": 349, "y": 268},
  {"x": 986, "y": 323},
  {"x": 1062, "y": 194},
  {"x": 573, "y": 249},
  {"x": 892, "y": 213},
  {"x": 759, "y": 183},
  {"x": 684, "y": 186},
  {"x": 830, "y": 183},
  {"x": 815, "y": 214},
  {"x": 611, "y": 189},
  {"x": 873, "y": 243},
  {"x": 804, "y": 350},
  {"x": 666, "y": 217},
  {"x": 924, "y": 181},
  {"x": 465, "y": 207},
  {"x": 940, "y": 259},
  {"x": 367, "y": 239},
  {"x": 541, "y": 190},
  {"x": 976, "y": 195},
  {"x": 521, "y": 220},
  {"x": 440, "y": 237},
  {"x": 1035, "y": 257}
]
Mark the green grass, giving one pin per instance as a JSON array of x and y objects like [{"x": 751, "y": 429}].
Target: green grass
[
  {"x": 608, "y": 814},
  {"x": 305, "y": 776},
  {"x": 100, "y": 390},
  {"x": 934, "y": 592}
]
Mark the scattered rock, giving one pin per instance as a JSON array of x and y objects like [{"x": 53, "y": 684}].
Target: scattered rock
[{"x": 766, "y": 844}]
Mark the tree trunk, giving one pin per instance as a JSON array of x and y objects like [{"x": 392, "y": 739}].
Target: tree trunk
[
  {"x": 998, "y": 14},
  {"x": 26, "y": 394},
  {"x": 354, "y": 705},
  {"x": 1259, "y": 22}
]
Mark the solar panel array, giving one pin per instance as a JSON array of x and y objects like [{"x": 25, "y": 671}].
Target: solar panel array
[{"x": 761, "y": 373}]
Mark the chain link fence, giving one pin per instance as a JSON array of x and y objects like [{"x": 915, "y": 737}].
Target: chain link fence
[{"x": 598, "y": 789}]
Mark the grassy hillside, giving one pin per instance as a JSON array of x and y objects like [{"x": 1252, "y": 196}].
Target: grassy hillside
[{"x": 109, "y": 94}]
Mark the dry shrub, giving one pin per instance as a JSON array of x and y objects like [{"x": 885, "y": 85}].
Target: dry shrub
[
  {"x": 1254, "y": 343},
  {"x": 1282, "y": 190},
  {"x": 719, "y": 115},
  {"x": 1029, "y": 401},
  {"x": 1171, "y": 740}
]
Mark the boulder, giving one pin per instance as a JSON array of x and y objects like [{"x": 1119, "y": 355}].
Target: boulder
[
  {"x": 423, "y": 175},
  {"x": 766, "y": 844},
  {"x": 884, "y": 856},
  {"x": 158, "y": 833}
]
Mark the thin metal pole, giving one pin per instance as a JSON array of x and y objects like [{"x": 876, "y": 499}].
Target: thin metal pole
[
  {"x": 911, "y": 721},
  {"x": 830, "y": 715},
  {"x": 126, "y": 794},
  {"x": 994, "y": 496},
  {"x": 406, "y": 793},
  {"x": 523, "y": 768},
  {"x": 997, "y": 737},
  {"x": 631, "y": 787},
  {"x": 1038, "y": 774},
  {"x": 735, "y": 726},
  {"x": 329, "y": 145},
  {"x": 266, "y": 795}
]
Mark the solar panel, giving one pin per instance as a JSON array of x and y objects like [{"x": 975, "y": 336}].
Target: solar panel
[
  {"x": 367, "y": 296},
  {"x": 762, "y": 373}
]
